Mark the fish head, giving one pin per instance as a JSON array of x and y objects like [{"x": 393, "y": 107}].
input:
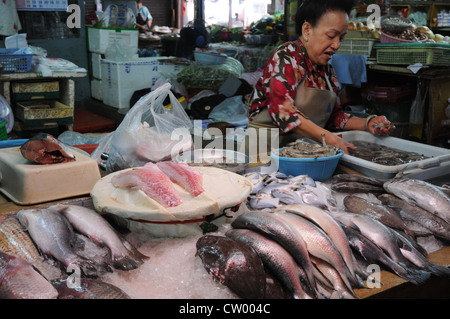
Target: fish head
[{"x": 24, "y": 216}]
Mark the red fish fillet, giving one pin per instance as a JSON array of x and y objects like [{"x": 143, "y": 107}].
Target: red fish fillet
[
  {"x": 184, "y": 175},
  {"x": 152, "y": 181}
]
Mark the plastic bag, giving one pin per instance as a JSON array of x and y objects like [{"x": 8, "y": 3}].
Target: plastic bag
[
  {"x": 117, "y": 16},
  {"x": 150, "y": 132},
  {"x": 232, "y": 110},
  {"x": 416, "y": 114},
  {"x": 7, "y": 114}
]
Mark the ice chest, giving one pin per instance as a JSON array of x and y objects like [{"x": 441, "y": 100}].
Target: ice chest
[
  {"x": 438, "y": 162},
  {"x": 99, "y": 39}
]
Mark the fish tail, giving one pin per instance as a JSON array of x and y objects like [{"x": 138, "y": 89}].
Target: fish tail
[
  {"x": 126, "y": 262},
  {"x": 417, "y": 277},
  {"x": 438, "y": 270}
]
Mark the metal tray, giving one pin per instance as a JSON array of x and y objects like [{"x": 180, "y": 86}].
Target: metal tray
[
  {"x": 229, "y": 160},
  {"x": 437, "y": 164}
]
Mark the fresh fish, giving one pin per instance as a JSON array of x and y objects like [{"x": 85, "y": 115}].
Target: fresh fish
[
  {"x": 340, "y": 290},
  {"x": 417, "y": 258},
  {"x": 375, "y": 255},
  {"x": 19, "y": 280},
  {"x": 303, "y": 180},
  {"x": 303, "y": 148},
  {"x": 262, "y": 202},
  {"x": 328, "y": 224},
  {"x": 280, "y": 263},
  {"x": 357, "y": 178},
  {"x": 356, "y": 187},
  {"x": 184, "y": 175},
  {"x": 15, "y": 241},
  {"x": 88, "y": 222},
  {"x": 430, "y": 221},
  {"x": 288, "y": 197},
  {"x": 152, "y": 181},
  {"x": 88, "y": 288},
  {"x": 387, "y": 216},
  {"x": 233, "y": 264},
  {"x": 277, "y": 185},
  {"x": 422, "y": 194},
  {"x": 319, "y": 244},
  {"x": 54, "y": 236},
  {"x": 257, "y": 181},
  {"x": 43, "y": 148},
  {"x": 319, "y": 196},
  {"x": 279, "y": 230}
]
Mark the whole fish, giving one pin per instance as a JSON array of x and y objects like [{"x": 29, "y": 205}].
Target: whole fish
[
  {"x": 184, "y": 175},
  {"x": 54, "y": 236},
  {"x": 422, "y": 194},
  {"x": 279, "y": 230},
  {"x": 357, "y": 178},
  {"x": 377, "y": 232},
  {"x": 152, "y": 181},
  {"x": 430, "y": 221},
  {"x": 340, "y": 290},
  {"x": 319, "y": 244},
  {"x": 90, "y": 223},
  {"x": 233, "y": 264},
  {"x": 280, "y": 263},
  {"x": 19, "y": 280},
  {"x": 88, "y": 288},
  {"x": 375, "y": 255},
  {"x": 262, "y": 202},
  {"x": 43, "y": 148},
  {"x": 257, "y": 181},
  {"x": 328, "y": 224},
  {"x": 356, "y": 187},
  {"x": 417, "y": 258},
  {"x": 15, "y": 241},
  {"x": 387, "y": 216}
]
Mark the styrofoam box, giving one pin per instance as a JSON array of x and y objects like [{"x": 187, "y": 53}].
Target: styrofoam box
[
  {"x": 96, "y": 89},
  {"x": 96, "y": 68},
  {"x": 99, "y": 39},
  {"x": 120, "y": 79},
  {"x": 437, "y": 164}
]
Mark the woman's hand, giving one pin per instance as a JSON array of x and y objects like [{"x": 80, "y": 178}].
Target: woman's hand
[
  {"x": 380, "y": 126},
  {"x": 336, "y": 141}
]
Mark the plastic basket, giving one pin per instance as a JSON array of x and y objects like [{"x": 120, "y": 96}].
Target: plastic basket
[
  {"x": 390, "y": 93},
  {"x": 411, "y": 53},
  {"x": 356, "y": 46},
  {"x": 319, "y": 169},
  {"x": 385, "y": 38},
  {"x": 15, "y": 63}
]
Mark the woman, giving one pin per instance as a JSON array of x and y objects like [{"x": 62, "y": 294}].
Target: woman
[
  {"x": 144, "y": 19},
  {"x": 297, "y": 91}
]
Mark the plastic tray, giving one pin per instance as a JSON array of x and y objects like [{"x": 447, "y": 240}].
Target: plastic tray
[
  {"x": 437, "y": 164},
  {"x": 15, "y": 63}
]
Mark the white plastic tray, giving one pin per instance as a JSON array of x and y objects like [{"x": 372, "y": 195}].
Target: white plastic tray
[{"x": 438, "y": 164}]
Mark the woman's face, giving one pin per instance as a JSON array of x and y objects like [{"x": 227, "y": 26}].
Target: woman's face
[{"x": 325, "y": 38}]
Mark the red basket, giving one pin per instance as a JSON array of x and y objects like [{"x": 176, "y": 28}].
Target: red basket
[{"x": 385, "y": 38}]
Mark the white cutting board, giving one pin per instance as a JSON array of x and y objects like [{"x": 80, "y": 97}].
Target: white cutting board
[{"x": 27, "y": 183}]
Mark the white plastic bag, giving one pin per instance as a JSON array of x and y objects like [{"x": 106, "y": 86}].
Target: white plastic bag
[
  {"x": 416, "y": 114},
  {"x": 150, "y": 132},
  {"x": 232, "y": 110}
]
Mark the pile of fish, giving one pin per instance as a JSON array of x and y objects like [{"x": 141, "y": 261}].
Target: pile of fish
[
  {"x": 306, "y": 148},
  {"x": 384, "y": 155},
  {"x": 60, "y": 251},
  {"x": 321, "y": 249},
  {"x": 156, "y": 181}
]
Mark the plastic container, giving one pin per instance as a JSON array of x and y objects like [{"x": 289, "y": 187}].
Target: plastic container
[
  {"x": 3, "y": 134},
  {"x": 209, "y": 58},
  {"x": 320, "y": 168},
  {"x": 385, "y": 38},
  {"x": 357, "y": 46},
  {"x": 411, "y": 53}
]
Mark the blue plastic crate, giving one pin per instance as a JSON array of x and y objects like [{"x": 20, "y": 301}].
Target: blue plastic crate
[
  {"x": 15, "y": 63},
  {"x": 320, "y": 168}
]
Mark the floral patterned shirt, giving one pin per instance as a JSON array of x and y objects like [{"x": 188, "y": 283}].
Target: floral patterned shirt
[{"x": 277, "y": 88}]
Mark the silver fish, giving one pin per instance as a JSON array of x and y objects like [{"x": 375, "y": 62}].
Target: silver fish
[
  {"x": 332, "y": 228},
  {"x": 278, "y": 230},
  {"x": 436, "y": 225},
  {"x": 54, "y": 236},
  {"x": 319, "y": 244},
  {"x": 19, "y": 280},
  {"x": 274, "y": 257},
  {"x": 387, "y": 216},
  {"x": 358, "y": 178},
  {"x": 90, "y": 223},
  {"x": 356, "y": 187},
  {"x": 89, "y": 289},
  {"x": 422, "y": 194}
]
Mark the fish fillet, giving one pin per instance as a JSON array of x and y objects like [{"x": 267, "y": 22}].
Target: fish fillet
[
  {"x": 152, "y": 181},
  {"x": 183, "y": 175}
]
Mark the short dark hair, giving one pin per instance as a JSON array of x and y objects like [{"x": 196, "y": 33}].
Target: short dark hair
[{"x": 312, "y": 10}]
